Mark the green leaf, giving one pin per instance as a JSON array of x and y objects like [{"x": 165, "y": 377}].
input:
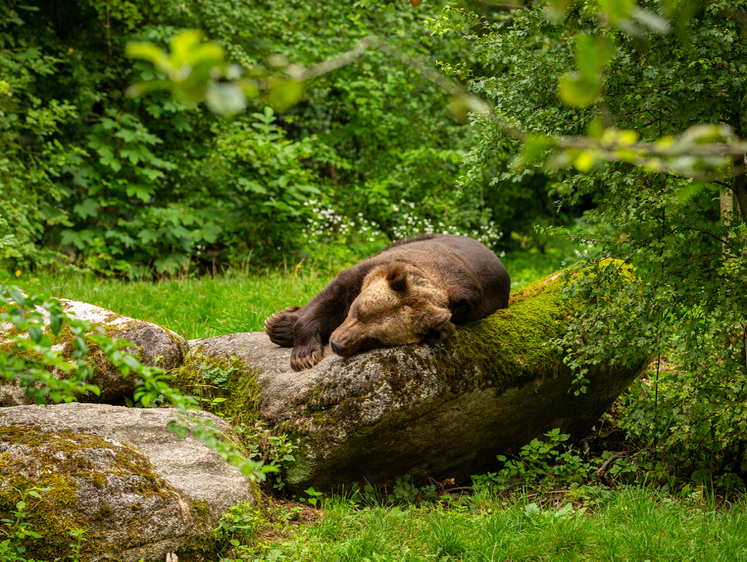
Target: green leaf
[
  {"x": 583, "y": 87},
  {"x": 147, "y": 51},
  {"x": 8, "y": 240},
  {"x": 142, "y": 192},
  {"x": 144, "y": 87},
  {"x": 18, "y": 297},
  {"x": 593, "y": 54},
  {"x": 208, "y": 54},
  {"x": 88, "y": 208},
  {"x": 132, "y": 155},
  {"x": 55, "y": 323},
  {"x": 152, "y": 173},
  {"x": 309, "y": 189},
  {"x": 595, "y": 129},
  {"x": 535, "y": 146},
  {"x": 459, "y": 108},
  {"x": 251, "y": 186},
  {"x": 617, "y": 10},
  {"x": 285, "y": 93},
  {"x": 578, "y": 91},
  {"x": 35, "y": 333},
  {"x": 147, "y": 236},
  {"x": 183, "y": 46}
]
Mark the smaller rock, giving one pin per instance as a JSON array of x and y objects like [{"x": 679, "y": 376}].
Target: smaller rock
[
  {"x": 156, "y": 346},
  {"x": 118, "y": 473}
]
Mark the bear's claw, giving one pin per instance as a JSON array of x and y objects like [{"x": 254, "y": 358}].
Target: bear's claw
[{"x": 306, "y": 357}]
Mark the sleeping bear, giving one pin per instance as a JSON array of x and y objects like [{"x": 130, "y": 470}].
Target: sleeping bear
[{"x": 412, "y": 291}]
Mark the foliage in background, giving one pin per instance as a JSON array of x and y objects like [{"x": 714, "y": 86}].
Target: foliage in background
[
  {"x": 685, "y": 237},
  {"x": 154, "y": 185},
  {"x": 30, "y": 160}
]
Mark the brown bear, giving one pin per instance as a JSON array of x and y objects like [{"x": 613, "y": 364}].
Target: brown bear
[{"x": 412, "y": 291}]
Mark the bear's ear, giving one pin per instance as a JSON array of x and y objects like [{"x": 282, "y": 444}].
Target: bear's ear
[{"x": 397, "y": 278}]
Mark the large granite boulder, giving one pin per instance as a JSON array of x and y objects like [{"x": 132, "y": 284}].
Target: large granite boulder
[
  {"x": 118, "y": 474},
  {"x": 432, "y": 411},
  {"x": 154, "y": 345}
]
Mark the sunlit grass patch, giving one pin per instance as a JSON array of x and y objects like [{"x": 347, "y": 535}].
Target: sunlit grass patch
[
  {"x": 193, "y": 307},
  {"x": 631, "y": 524}
]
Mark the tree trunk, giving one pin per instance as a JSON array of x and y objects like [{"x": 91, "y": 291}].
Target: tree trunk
[
  {"x": 726, "y": 198},
  {"x": 740, "y": 189}
]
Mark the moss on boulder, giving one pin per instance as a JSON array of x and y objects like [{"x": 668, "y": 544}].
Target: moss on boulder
[{"x": 224, "y": 385}]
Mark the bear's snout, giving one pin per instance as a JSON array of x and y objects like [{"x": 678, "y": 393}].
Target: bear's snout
[
  {"x": 346, "y": 339},
  {"x": 346, "y": 347},
  {"x": 337, "y": 346}
]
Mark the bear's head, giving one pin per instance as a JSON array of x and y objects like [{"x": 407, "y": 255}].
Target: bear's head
[{"x": 397, "y": 305}]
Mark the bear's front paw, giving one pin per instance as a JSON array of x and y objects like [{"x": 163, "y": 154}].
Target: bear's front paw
[
  {"x": 440, "y": 332},
  {"x": 279, "y": 326},
  {"x": 306, "y": 356}
]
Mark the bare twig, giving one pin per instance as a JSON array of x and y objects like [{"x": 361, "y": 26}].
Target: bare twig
[
  {"x": 602, "y": 469},
  {"x": 509, "y": 488},
  {"x": 184, "y": 334}
]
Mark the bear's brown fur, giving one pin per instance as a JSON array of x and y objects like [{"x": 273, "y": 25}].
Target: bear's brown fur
[{"x": 412, "y": 291}]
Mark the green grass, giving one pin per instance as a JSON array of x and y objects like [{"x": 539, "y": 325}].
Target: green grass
[
  {"x": 631, "y": 524},
  {"x": 193, "y": 307}
]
